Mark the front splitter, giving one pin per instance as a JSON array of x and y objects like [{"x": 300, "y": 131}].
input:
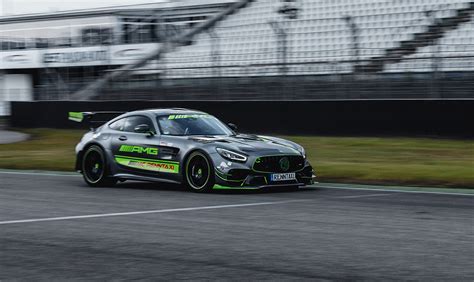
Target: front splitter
[{"x": 223, "y": 187}]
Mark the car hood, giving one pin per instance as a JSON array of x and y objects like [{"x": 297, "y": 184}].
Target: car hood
[{"x": 251, "y": 144}]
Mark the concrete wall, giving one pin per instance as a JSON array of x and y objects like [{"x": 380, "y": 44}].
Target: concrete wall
[{"x": 342, "y": 117}]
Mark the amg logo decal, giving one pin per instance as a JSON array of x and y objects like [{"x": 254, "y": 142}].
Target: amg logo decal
[{"x": 139, "y": 150}]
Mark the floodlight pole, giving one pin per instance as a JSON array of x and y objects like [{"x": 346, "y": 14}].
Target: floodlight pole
[
  {"x": 289, "y": 10},
  {"x": 355, "y": 40},
  {"x": 215, "y": 52},
  {"x": 435, "y": 56},
  {"x": 282, "y": 49}
]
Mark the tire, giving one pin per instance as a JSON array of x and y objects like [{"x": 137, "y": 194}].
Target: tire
[
  {"x": 199, "y": 173},
  {"x": 94, "y": 168}
]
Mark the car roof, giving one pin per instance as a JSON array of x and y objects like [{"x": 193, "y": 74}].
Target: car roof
[{"x": 167, "y": 111}]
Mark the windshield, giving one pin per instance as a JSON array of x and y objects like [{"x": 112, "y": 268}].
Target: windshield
[{"x": 194, "y": 124}]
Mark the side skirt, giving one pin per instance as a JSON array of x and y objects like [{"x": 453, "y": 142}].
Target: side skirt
[{"x": 126, "y": 176}]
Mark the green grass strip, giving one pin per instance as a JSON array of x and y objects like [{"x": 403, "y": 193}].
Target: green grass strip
[{"x": 393, "y": 161}]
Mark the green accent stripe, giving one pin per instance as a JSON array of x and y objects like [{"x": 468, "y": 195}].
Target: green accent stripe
[
  {"x": 148, "y": 160},
  {"x": 222, "y": 187},
  {"x": 150, "y": 165},
  {"x": 126, "y": 148}
]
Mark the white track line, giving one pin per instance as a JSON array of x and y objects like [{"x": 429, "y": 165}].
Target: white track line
[
  {"x": 394, "y": 190},
  {"x": 364, "y": 196},
  {"x": 38, "y": 173},
  {"x": 145, "y": 212},
  {"x": 381, "y": 189}
]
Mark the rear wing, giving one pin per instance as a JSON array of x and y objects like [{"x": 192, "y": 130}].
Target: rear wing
[{"x": 93, "y": 119}]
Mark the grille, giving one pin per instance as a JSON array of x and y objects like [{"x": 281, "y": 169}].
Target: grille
[{"x": 273, "y": 164}]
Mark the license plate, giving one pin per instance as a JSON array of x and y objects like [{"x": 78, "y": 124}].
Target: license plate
[{"x": 283, "y": 176}]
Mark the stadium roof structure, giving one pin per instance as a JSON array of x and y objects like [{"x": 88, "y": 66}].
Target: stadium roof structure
[{"x": 137, "y": 9}]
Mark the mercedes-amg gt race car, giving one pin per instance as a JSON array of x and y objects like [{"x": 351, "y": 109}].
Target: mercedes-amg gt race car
[{"x": 186, "y": 147}]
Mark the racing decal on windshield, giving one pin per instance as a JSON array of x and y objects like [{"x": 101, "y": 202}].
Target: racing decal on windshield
[
  {"x": 188, "y": 116},
  {"x": 147, "y": 164},
  {"x": 139, "y": 150}
]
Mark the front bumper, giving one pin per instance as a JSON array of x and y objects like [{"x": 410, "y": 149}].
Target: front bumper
[
  {"x": 249, "y": 179},
  {"x": 240, "y": 175}
]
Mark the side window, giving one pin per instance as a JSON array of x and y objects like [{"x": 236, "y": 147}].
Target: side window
[
  {"x": 134, "y": 121},
  {"x": 118, "y": 124}
]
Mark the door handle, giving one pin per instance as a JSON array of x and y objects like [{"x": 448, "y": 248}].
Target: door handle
[{"x": 123, "y": 138}]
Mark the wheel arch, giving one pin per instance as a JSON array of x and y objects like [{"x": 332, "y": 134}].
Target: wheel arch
[
  {"x": 186, "y": 158},
  {"x": 80, "y": 155}
]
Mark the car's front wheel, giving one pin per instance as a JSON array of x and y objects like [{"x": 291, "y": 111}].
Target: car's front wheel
[
  {"x": 199, "y": 172},
  {"x": 94, "y": 166}
]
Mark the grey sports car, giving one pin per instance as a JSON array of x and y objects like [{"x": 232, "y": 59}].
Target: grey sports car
[{"x": 186, "y": 147}]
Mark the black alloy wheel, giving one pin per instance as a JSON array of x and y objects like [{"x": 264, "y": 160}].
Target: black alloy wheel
[
  {"x": 199, "y": 173},
  {"x": 94, "y": 168}
]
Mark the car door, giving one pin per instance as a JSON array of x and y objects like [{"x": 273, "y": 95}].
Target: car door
[{"x": 139, "y": 152}]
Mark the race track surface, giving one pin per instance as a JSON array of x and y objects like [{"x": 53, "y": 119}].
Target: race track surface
[
  {"x": 7, "y": 137},
  {"x": 54, "y": 227}
]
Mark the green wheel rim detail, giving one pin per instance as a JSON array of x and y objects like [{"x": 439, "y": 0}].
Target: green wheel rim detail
[
  {"x": 198, "y": 171},
  {"x": 93, "y": 166}
]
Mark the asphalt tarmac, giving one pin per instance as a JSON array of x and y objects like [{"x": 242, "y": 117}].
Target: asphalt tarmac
[
  {"x": 7, "y": 137},
  {"x": 53, "y": 227}
]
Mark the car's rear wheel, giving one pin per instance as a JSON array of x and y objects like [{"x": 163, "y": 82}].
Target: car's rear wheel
[
  {"x": 199, "y": 172},
  {"x": 94, "y": 168}
]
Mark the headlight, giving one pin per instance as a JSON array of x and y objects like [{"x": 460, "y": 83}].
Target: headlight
[
  {"x": 231, "y": 155},
  {"x": 303, "y": 152}
]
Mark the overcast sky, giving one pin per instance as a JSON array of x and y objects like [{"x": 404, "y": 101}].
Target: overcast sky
[{"x": 12, "y": 7}]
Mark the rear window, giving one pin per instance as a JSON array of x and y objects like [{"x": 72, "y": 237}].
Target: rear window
[{"x": 117, "y": 125}]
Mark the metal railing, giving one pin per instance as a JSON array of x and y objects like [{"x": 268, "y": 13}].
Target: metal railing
[{"x": 411, "y": 78}]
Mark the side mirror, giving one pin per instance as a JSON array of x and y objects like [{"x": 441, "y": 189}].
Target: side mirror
[
  {"x": 232, "y": 126},
  {"x": 143, "y": 128}
]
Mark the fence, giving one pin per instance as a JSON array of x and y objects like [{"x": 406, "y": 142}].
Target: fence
[{"x": 309, "y": 80}]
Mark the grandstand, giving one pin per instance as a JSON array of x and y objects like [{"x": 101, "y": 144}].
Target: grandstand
[
  {"x": 52, "y": 55},
  {"x": 289, "y": 49},
  {"x": 332, "y": 49},
  {"x": 321, "y": 35}
]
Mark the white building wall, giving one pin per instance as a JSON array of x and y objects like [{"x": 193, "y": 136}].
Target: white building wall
[{"x": 14, "y": 87}]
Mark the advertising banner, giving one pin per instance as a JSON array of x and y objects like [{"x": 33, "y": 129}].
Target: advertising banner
[
  {"x": 20, "y": 59},
  {"x": 75, "y": 57},
  {"x": 71, "y": 57}
]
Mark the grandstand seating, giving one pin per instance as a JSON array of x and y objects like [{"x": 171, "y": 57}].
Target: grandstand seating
[
  {"x": 454, "y": 52},
  {"x": 392, "y": 36}
]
